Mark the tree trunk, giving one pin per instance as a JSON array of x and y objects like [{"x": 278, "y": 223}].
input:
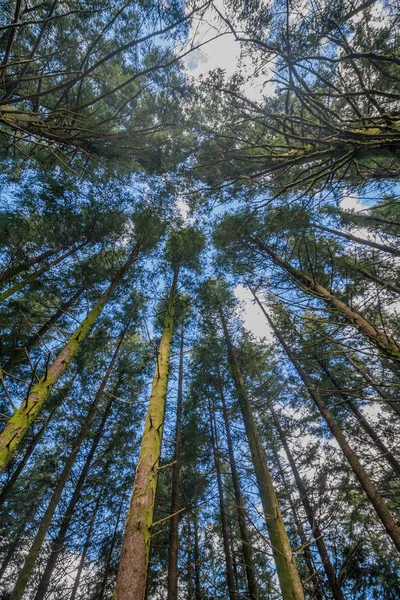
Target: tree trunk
[
  {"x": 382, "y": 282},
  {"x": 308, "y": 556},
  {"x": 358, "y": 240},
  {"x": 85, "y": 549},
  {"x": 197, "y": 583},
  {"x": 173, "y": 545},
  {"x": 134, "y": 561},
  {"x": 387, "y": 520},
  {"x": 394, "y": 405},
  {"x": 33, "y": 276},
  {"x": 12, "y": 271},
  {"x": 230, "y": 580},
  {"x": 385, "y": 343},
  {"x": 244, "y": 532},
  {"x": 19, "y": 354},
  {"x": 58, "y": 543},
  {"x": 109, "y": 555},
  {"x": 289, "y": 580},
  {"x": 36, "y": 546},
  {"x": 316, "y": 531},
  {"x": 18, "y": 424},
  {"x": 369, "y": 430}
]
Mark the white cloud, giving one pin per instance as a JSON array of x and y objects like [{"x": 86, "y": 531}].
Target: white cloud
[
  {"x": 253, "y": 318},
  {"x": 352, "y": 203}
]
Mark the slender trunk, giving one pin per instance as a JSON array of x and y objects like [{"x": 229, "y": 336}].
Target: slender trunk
[
  {"x": 197, "y": 583},
  {"x": 174, "y": 522},
  {"x": 134, "y": 561},
  {"x": 308, "y": 557},
  {"x": 12, "y": 547},
  {"x": 190, "y": 567},
  {"x": 369, "y": 218},
  {"x": 244, "y": 532},
  {"x": 316, "y": 531},
  {"x": 19, "y": 354},
  {"x": 382, "y": 282},
  {"x": 33, "y": 276},
  {"x": 385, "y": 343},
  {"x": 109, "y": 554},
  {"x": 18, "y": 424},
  {"x": 358, "y": 240},
  {"x": 392, "y": 529},
  {"x": 36, "y": 546},
  {"x": 12, "y": 271},
  {"x": 58, "y": 543},
  {"x": 369, "y": 430},
  {"x": 230, "y": 580},
  {"x": 85, "y": 549},
  {"x": 394, "y": 405},
  {"x": 289, "y": 580}
]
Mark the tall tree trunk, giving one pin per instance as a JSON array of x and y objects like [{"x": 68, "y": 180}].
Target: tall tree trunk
[
  {"x": 230, "y": 580},
  {"x": 358, "y": 240},
  {"x": 33, "y": 276},
  {"x": 315, "y": 528},
  {"x": 369, "y": 430},
  {"x": 174, "y": 522},
  {"x": 18, "y": 424},
  {"x": 394, "y": 405},
  {"x": 385, "y": 343},
  {"x": 308, "y": 556},
  {"x": 85, "y": 549},
  {"x": 244, "y": 532},
  {"x": 197, "y": 583},
  {"x": 23, "y": 266},
  {"x": 189, "y": 559},
  {"x": 387, "y": 520},
  {"x": 109, "y": 554},
  {"x": 289, "y": 579},
  {"x": 19, "y": 354},
  {"x": 36, "y": 546},
  {"x": 58, "y": 543},
  {"x": 134, "y": 561}
]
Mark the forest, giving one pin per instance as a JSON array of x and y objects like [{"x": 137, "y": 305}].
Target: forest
[{"x": 199, "y": 300}]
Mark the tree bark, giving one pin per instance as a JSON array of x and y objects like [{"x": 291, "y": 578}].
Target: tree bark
[
  {"x": 173, "y": 545},
  {"x": 134, "y": 561},
  {"x": 385, "y": 516},
  {"x": 19, "y": 354},
  {"x": 197, "y": 583},
  {"x": 384, "y": 342},
  {"x": 12, "y": 271},
  {"x": 29, "y": 564},
  {"x": 244, "y": 532},
  {"x": 315, "y": 528},
  {"x": 230, "y": 580},
  {"x": 33, "y": 276},
  {"x": 289, "y": 579},
  {"x": 18, "y": 424},
  {"x": 85, "y": 549},
  {"x": 109, "y": 555}
]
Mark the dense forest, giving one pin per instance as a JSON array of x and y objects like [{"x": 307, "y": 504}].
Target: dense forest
[{"x": 199, "y": 300}]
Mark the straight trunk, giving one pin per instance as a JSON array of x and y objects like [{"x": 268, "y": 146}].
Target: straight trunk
[
  {"x": 26, "y": 571},
  {"x": 384, "y": 342},
  {"x": 244, "y": 532},
  {"x": 189, "y": 557},
  {"x": 33, "y": 276},
  {"x": 358, "y": 240},
  {"x": 308, "y": 557},
  {"x": 394, "y": 405},
  {"x": 12, "y": 271},
  {"x": 230, "y": 580},
  {"x": 197, "y": 584},
  {"x": 289, "y": 580},
  {"x": 369, "y": 430},
  {"x": 85, "y": 549},
  {"x": 109, "y": 555},
  {"x": 385, "y": 516},
  {"x": 18, "y": 424},
  {"x": 134, "y": 561},
  {"x": 173, "y": 545},
  {"x": 58, "y": 543},
  {"x": 19, "y": 354},
  {"x": 316, "y": 531}
]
